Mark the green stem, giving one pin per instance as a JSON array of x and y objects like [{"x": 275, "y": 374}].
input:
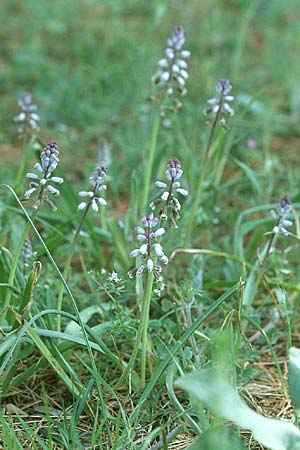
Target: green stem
[
  {"x": 203, "y": 171},
  {"x": 200, "y": 181},
  {"x": 144, "y": 318},
  {"x": 259, "y": 269},
  {"x": 68, "y": 265},
  {"x": 145, "y": 321},
  {"x": 149, "y": 167}
]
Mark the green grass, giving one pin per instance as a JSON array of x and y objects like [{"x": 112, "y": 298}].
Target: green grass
[{"x": 88, "y": 64}]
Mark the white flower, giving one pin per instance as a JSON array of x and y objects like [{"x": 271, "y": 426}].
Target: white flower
[
  {"x": 150, "y": 264},
  {"x": 134, "y": 253},
  {"x": 95, "y": 180},
  {"x": 41, "y": 182},
  {"x": 159, "y": 232},
  {"x": 114, "y": 277},
  {"x": 165, "y": 196},
  {"x": 94, "y": 205},
  {"x": 160, "y": 184},
  {"x": 164, "y": 259},
  {"x": 81, "y": 206},
  {"x": 158, "y": 250},
  {"x": 32, "y": 176},
  {"x": 86, "y": 194},
  {"x": 141, "y": 237},
  {"x": 143, "y": 249},
  {"x": 101, "y": 201},
  {"x": 183, "y": 192},
  {"x": 58, "y": 180},
  {"x": 52, "y": 190}
]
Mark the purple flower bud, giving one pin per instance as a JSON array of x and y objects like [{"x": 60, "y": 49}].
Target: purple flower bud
[
  {"x": 219, "y": 105},
  {"x": 177, "y": 38},
  {"x": 284, "y": 207},
  {"x": 223, "y": 87},
  {"x": 174, "y": 170},
  {"x": 50, "y": 158},
  {"x": 97, "y": 178}
]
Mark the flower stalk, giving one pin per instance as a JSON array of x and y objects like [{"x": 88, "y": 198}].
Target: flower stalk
[
  {"x": 284, "y": 208},
  {"x": 219, "y": 109},
  {"x": 151, "y": 255},
  {"x": 92, "y": 201},
  {"x": 28, "y": 127},
  {"x": 40, "y": 184},
  {"x": 170, "y": 81}
]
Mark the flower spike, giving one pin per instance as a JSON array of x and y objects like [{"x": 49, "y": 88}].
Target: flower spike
[
  {"x": 41, "y": 179},
  {"x": 92, "y": 199}
]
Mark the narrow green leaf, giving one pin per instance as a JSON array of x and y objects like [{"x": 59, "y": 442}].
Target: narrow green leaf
[{"x": 186, "y": 335}]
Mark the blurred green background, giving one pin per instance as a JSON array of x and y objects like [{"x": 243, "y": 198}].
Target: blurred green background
[{"x": 88, "y": 65}]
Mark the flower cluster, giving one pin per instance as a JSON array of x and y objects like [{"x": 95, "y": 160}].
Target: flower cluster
[
  {"x": 168, "y": 203},
  {"x": 284, "y": 208},
  {"x": 28, "y": 119},
  {"x": 219, "y": 105},
  {"x": 150, "y": 250},
  {"x": 171, "y": 74},
  {"x": 93, "y": 200},
  {"x": 26, "y": 252},
  {"x": 40, "y": 181}
]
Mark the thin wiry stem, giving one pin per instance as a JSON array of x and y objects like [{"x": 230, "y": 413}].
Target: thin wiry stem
[
  {"x": 145, "y": 320},
  {"x": 150, "y": 161},
  {"x": 202, "y": 173},
  {"x": 68, "y": 265}
]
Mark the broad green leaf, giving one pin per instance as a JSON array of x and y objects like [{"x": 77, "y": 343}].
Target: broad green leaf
[
  {"x": 222, "y": 400},
  {"x": 73, "y": 328},
  {"x": 294, "y": 377},
  {"x": 210, "y": 440}
]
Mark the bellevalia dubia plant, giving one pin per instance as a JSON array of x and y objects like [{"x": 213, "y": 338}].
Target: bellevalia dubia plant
[
  {"x": 28, "y": 126},
  {"x": 218, "y": 109},
  {"x": 40, "y": 186},
  {"x": 150, "y": 255},
  {"x": 92, "y": 201},
  {"x": 170, "y": 83},
  {"x": 283, "y": 210}
]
